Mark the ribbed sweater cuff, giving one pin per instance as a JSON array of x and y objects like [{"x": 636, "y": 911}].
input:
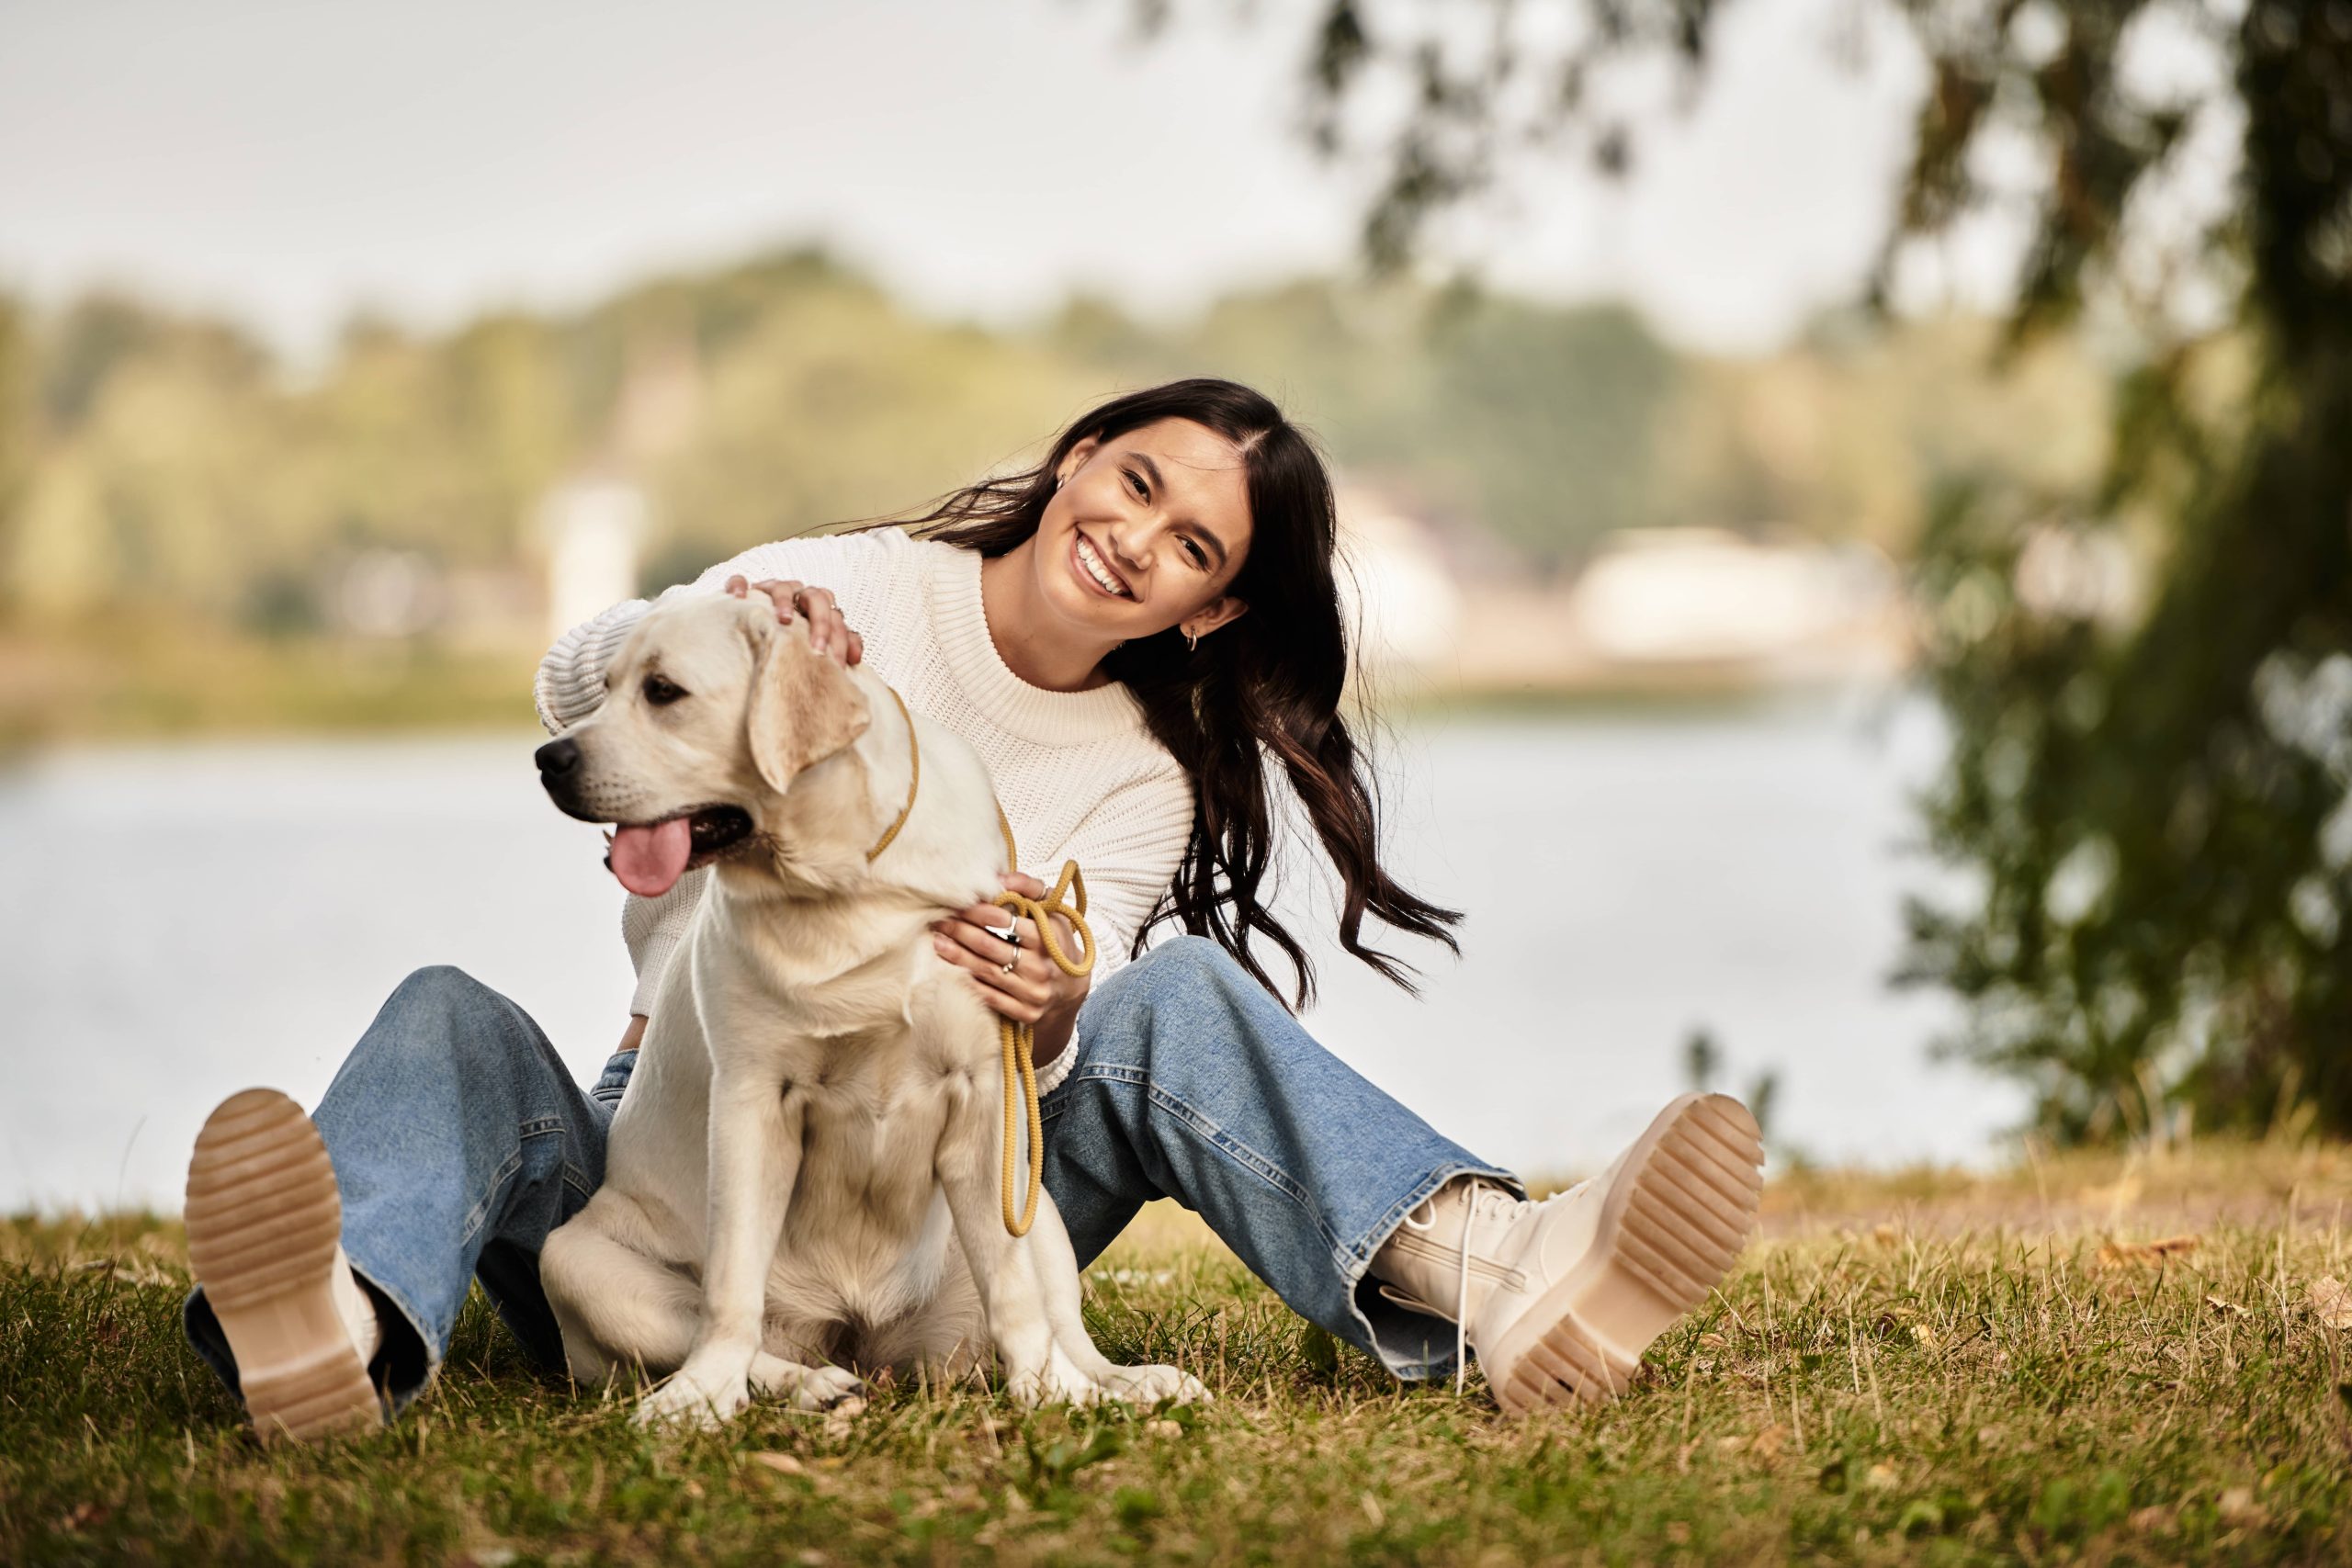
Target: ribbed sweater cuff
[
  {"x": 571, "y": 682},
  {"x": 1050, "y": 1076}
]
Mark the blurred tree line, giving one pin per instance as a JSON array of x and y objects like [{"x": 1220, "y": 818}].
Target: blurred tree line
[
  {"x": 2149, "y": 682},
  {"x": 181, "y": 513}
]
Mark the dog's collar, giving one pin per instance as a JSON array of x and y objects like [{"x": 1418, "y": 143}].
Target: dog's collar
[{"x": 914, "y": 777}]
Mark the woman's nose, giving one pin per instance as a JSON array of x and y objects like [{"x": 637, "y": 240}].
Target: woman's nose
[{"x": 1123, "y": 544}]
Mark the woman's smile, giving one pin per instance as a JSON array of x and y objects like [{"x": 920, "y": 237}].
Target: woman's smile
[{"x": 1092, "y": 569}]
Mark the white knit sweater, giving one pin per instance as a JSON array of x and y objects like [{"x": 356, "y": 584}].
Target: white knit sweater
[{"x": 1080, "y": 776}]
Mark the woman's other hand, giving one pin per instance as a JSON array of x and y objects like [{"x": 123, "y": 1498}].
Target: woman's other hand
[
  {"x": 828, "y": 632},
  {"x": 1034, "y": 990}
]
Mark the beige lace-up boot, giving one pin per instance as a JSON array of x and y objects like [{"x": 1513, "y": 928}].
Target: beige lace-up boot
[
  {"x": 263, "y": 1222},
  {"x": 1560, "y": 1298}
]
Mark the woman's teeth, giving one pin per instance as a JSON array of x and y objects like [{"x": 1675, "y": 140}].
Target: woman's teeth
[{"x": 1096, "y": 570}]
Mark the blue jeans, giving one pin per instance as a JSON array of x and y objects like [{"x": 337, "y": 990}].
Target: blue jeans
[{"x": 460, "y": 1140}]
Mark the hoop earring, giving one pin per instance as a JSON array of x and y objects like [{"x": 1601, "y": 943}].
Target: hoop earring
[{"x": 1192, "y": 643}]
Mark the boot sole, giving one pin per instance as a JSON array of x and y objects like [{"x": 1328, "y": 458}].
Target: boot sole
[
  {"x": 264, "y": 1217},
  {"x": 1670, "y": 1228}
]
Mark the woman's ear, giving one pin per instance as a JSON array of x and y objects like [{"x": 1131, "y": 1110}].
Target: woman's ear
[
  {"x": 804, "y": 706},
  {"x": 1218, "y": 612},
  {"x": 1074, "y": 459}
]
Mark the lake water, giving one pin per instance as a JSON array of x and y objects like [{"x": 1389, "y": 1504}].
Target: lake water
[{"x": 183, "y": 921}]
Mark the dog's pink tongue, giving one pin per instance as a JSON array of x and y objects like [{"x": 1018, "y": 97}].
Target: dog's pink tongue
[{"x": 649, "y": 860}]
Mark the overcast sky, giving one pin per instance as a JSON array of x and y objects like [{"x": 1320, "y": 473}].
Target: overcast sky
[{"x": 292, "y": 162}]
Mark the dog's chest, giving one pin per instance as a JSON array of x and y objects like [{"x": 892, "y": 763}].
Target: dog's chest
[{"x": 864, "y": 1094}]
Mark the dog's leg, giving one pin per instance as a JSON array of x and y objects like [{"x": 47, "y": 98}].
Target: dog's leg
[
  {"x": 754, "y": 1157},
  {"x": 620, "y": 1311},
  {"x": 1035, "y": 1368},
  {"x": 1057, "y": 1266}
]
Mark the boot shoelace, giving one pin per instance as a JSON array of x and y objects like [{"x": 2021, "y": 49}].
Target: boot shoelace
[{"x": 1423, "y": 1219}]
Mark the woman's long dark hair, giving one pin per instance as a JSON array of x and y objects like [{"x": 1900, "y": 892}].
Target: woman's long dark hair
[{"x": 1268, "y": 682}]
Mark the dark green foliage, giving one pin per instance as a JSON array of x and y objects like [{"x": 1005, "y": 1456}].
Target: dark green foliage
[
  {"x": 2144, "y": 801},
  {"x": 2138, "y": 794}
]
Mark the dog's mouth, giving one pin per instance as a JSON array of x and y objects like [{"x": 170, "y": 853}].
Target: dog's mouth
[{"x": 649, "y": 857}]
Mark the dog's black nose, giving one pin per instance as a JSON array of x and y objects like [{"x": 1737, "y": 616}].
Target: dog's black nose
[{"x": 558, "y": 757}]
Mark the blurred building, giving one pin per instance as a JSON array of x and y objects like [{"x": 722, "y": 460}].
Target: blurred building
[
  {"x": 1707, "y": 598},
  {"x": 595, "y": 527},
  {"x": 1449, "y": 609},
  {"x": 596, "y": 523}
]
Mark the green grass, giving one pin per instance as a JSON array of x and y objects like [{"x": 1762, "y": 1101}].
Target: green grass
[{"x": 1925, "y": 1367}]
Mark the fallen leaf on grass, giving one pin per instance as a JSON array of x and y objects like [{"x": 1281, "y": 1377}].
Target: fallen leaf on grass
[
  {"x": 2120, "y": 1254},
  {"x": 2331, "y": 1302},
  {"x": 2225, "y": 1309},
  {"x": 783, "y": 1464},
  {"x": 2237, "y": 1507}
]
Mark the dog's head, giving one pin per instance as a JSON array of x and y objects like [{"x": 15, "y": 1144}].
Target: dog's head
[{"x": 711, "y": 712}]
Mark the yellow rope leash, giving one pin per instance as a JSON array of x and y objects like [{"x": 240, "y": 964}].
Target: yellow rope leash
[
  {"x": 914, "y": 778},
  {"x": 1019, "y": 1040}
]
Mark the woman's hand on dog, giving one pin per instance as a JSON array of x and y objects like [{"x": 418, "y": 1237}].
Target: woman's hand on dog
[
  {"x": 1036, "y": 991},
  {"x": 828, "y": 632}
]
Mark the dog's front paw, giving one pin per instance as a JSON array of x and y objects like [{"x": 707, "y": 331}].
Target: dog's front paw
[
  {"x": 1059, "y": 1381},
  {"x": 688, "y": 1400},
  {"x": 1150, "y": 1386},
  {"x": 806, "y": 1387}
]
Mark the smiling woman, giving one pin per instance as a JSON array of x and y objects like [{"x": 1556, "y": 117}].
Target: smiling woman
[
  {"x": 1132, "y": 635},
  {"x": 1132, "y": 554}
]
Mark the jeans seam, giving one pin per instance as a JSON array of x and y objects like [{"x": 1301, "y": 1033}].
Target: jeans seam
[
  {"x": 1054, "y": 1104},
  {"x": 480, "y": 1214}
]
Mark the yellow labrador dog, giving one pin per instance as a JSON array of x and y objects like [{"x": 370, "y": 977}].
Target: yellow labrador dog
[{"x": 802, "y": 1182}]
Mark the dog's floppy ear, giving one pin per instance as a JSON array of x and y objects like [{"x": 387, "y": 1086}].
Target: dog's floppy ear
[{"x": 804, "y": 706}]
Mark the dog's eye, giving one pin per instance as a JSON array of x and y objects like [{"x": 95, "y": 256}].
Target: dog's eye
[{"x": 661, "y": 692}]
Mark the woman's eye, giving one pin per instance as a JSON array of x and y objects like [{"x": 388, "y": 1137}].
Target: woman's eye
[
  {"x": 661, "y": 692},
  {"x": 1200, "y": 557},
  {"x": 1135, "y": 482}
]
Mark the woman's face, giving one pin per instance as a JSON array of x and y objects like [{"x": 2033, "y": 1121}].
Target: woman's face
[{"x": 1146, "y": 531}]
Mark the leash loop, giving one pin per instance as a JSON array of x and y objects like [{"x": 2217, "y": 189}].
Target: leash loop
[{"x": 1018, "y": 1039}]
